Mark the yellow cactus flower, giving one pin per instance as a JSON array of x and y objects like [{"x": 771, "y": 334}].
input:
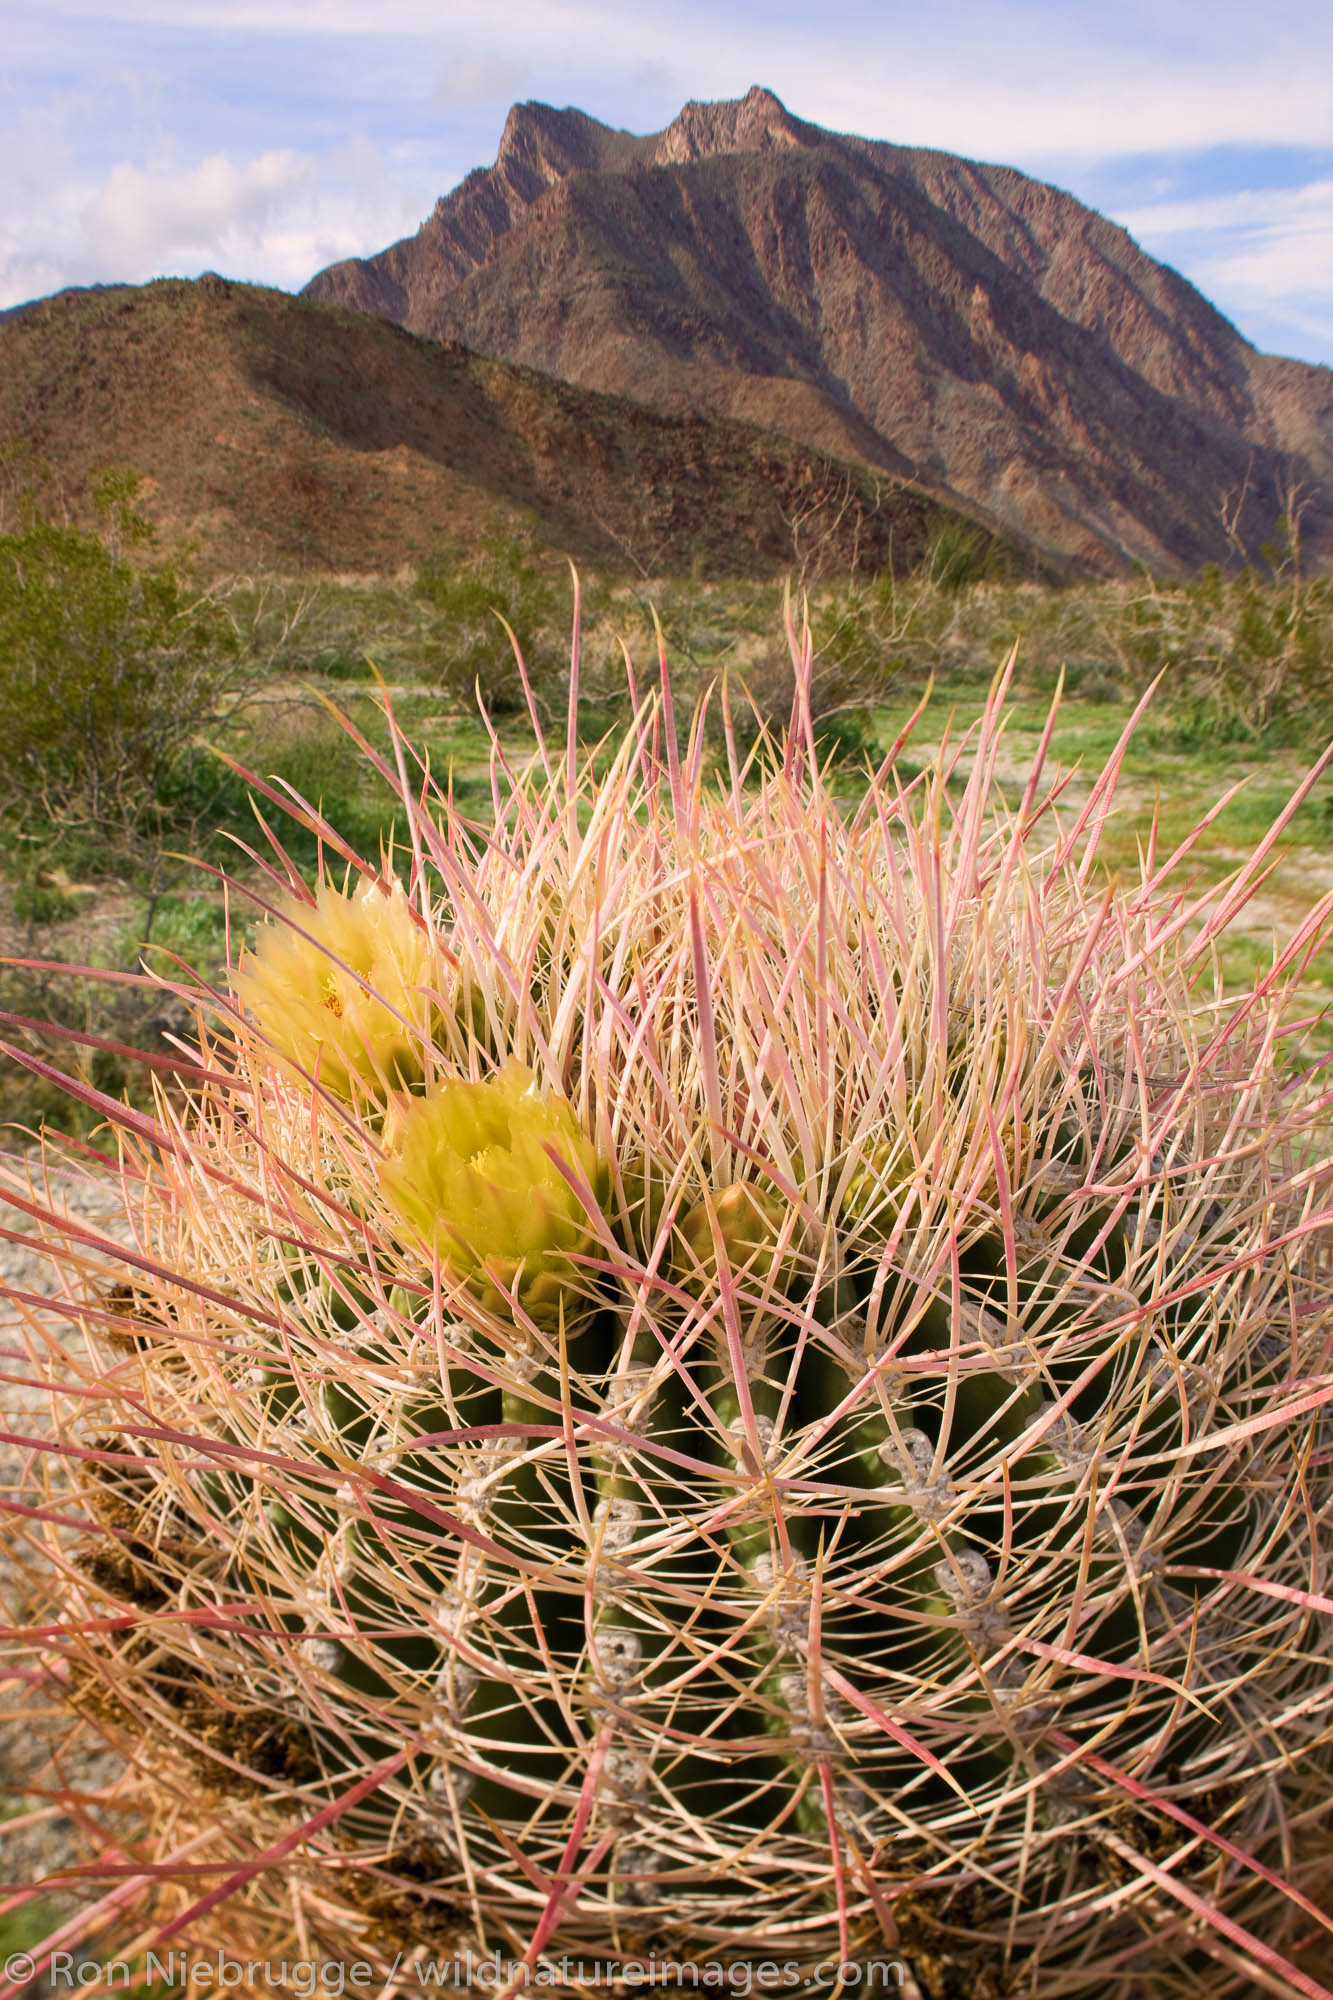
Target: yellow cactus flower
[
  {"x": 474, "y": 1178},
  {"x": 343, "y": 989}
]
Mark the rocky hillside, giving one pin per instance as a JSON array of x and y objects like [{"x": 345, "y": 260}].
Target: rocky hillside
[
  {"x": 928, "y": 315},
  {"x": 281, "y": 432}
]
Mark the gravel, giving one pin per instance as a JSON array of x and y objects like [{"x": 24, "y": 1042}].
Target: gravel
[{"x": 37, "y": 1752}]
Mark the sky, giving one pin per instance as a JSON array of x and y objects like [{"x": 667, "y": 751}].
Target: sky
[{"x": 266, "y": 138}]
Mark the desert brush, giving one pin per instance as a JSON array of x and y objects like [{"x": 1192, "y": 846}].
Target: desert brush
[{"x": 712, "y": 1372}]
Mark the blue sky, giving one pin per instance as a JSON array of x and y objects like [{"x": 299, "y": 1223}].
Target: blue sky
[{"x": 264, "y": 138}]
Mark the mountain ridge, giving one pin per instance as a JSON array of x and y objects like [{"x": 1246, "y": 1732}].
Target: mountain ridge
[
  {"x": 276, "y": 431},
  {"x": 938, "y": 318}
]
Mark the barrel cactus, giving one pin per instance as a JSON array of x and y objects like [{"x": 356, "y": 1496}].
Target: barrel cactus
[{"x": 708, "y": 1375}]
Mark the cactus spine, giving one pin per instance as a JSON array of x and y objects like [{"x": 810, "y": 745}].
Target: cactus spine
[{"x": 764, "y": 1383}]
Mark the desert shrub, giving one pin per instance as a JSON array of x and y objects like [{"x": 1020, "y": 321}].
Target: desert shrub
[
  {"x": 1243, "y": 658},
  {"x": 959, "y": 555},
  {"x": 189, "y": 927},
  {"x": 344, "y": 667},
  {"x": 47, "y": 896},
  {"x": 110, "y": 664},
  {"x": 470, "y": 594},
  {"x": 848, "y": 737}
]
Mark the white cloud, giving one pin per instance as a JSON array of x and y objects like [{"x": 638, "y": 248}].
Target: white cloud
[
  {"x": 1264, "y": 209},
  {"x": 142, "y": 221},
  {"x": 275, "y": 218},
  {"x": 1016, "y": 80},
  {"x": 358, "y": 160},
  {"x": 471, "y": 80}
]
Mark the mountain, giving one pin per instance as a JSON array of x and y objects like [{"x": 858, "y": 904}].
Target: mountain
[
  {"x": 933, "y": 317},
  {"x": 276, "y": 431}
]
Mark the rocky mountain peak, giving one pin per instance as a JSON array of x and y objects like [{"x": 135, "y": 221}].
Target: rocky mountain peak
[
  {"x": 541, "y": 145},
  {"x": 933, "y": 317},
  {"x": 759, "y": 122}
]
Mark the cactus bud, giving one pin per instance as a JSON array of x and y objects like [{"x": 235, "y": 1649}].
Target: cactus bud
[
  {"x": 745, "y": 1222},
  {"x": 475, "y": 1178}
]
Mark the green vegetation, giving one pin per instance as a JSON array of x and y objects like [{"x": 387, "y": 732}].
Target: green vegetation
[
  {"x": 121, "y": 676},
  {"x": 506, "y": 586},
  {"x": 111, "y": 666},
  {"x": 21, "y": 1929}
]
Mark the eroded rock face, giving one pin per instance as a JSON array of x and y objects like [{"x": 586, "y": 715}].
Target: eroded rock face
[{"x": 877, "y": 301}]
